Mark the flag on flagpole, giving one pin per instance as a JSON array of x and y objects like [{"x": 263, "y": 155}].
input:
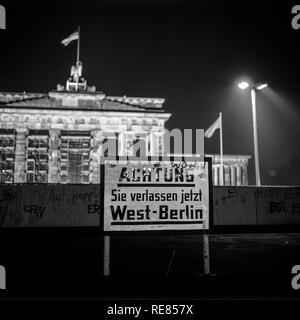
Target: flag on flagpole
[
  {"x": 211, "y": 130},
  {"x": 71, "y": 37}
]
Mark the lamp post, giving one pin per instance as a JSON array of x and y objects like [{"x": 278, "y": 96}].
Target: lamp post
[{"x": 254, "y": 87}]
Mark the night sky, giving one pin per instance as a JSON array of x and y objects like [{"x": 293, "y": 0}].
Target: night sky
[{"x": 191, "y": 53}]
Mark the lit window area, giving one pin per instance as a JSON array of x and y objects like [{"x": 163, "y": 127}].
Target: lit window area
[
  {"x": 7, "y": 155},
  {"x": 37, "y": 156},
  {"x": 75, "y": 157}
]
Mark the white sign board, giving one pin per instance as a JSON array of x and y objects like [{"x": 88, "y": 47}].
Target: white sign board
[{"x": 142, "y": 195}]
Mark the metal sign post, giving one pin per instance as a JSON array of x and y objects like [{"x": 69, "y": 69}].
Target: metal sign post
[
  {"x": 206, "y": 256},
  {"x": 106, "y": 256}
]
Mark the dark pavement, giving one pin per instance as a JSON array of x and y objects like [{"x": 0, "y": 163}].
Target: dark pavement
[{"x": 69, "y": 262}]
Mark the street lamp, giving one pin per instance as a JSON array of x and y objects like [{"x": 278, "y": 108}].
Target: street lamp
[{"x": 254, "y": 87}]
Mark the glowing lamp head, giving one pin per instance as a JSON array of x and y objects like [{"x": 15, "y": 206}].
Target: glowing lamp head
[
  {"x": 243, "y": 85},
  {"x": 262, "y": 86}
]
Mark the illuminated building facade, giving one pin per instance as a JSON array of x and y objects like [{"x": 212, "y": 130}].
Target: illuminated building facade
[
  {"x": 58, "y": 137},
  {"x": 235, "y": 170}
]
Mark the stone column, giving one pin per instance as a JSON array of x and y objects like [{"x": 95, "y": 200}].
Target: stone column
[
  {"x": 232, "y": 175},
  {"x": 155, "y": 141},
  {"x": 245, "y": 175},
  {"x": 122, "y": 137},
  {"x": 221, "y": 168},
  {"x": 239, "y": 175},
  {"x": 20, "y": 156},
  {"x": 216, "y": 180},
  {"x": 95, "y": 156},
  {"x": 227, "y": 175},
  {"x": 53, "y": 173},
  {"x": 148, "y": 144},
  {"x": 121, "y": 142},
  {"x": 152, "y": 141}
]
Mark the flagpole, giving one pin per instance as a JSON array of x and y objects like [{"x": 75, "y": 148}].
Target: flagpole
[
  {"x": 78, "y": 45},
  {"x": 221, "y": 149}
]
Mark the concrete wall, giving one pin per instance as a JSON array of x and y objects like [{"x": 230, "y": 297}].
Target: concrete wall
[
  {"x": 49, "y": 205},
  {"x": 27, "y": 205},
  {"x": 256, "y": 206}
]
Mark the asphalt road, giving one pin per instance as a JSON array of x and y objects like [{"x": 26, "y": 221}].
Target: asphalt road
[{"x": 64, "y": 262}]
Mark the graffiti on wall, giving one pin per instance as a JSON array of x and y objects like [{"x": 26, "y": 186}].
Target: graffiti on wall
[
  {"x": 79, "y": 205},
  {"x": 279, "y": 205},
  {"x": 233, "y": 206},
  {"x": 8, "y": 210},
  {"x": 280, "y": 200},
  {"x": 256, "y": 205},
  {"x": 49, "y": 205}
]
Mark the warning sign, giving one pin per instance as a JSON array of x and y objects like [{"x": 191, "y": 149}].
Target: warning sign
[{"x": 141, "y": 195}]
